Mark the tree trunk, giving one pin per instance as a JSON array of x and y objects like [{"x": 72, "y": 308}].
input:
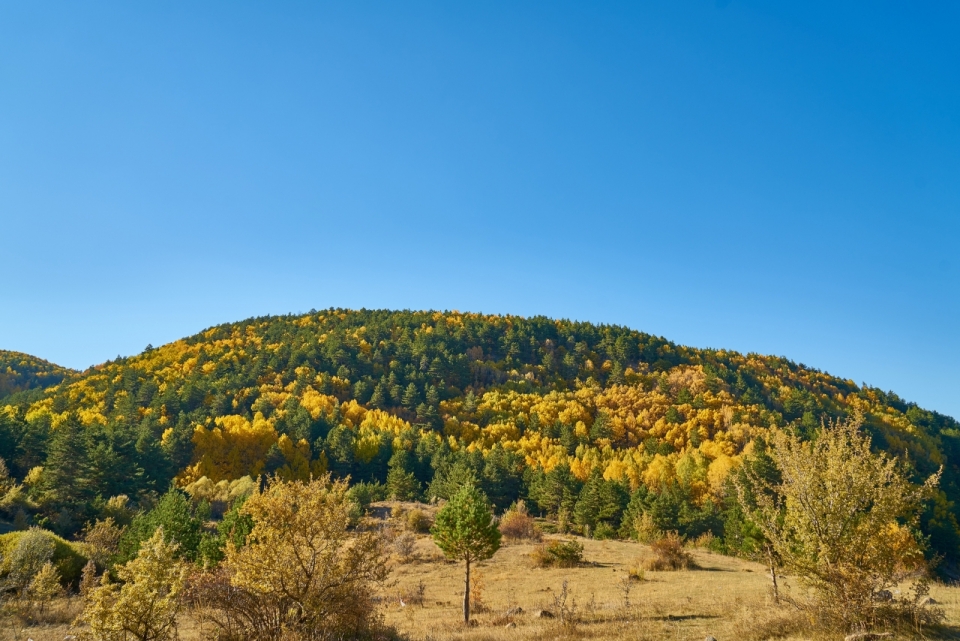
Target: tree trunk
[
  {"x": 773, "y": 575},
  {"x": 466, "y": 596}
]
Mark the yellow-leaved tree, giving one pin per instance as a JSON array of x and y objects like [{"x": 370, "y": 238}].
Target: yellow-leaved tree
[
  {"x": 303, "y": 574},
  {"x": 233, "y": 448},
  {"x": 145, "y": 605},
  {"x": 840, "y": 519}
]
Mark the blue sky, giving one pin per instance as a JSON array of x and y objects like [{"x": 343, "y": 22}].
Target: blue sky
[{"x": 771, "y": 177}]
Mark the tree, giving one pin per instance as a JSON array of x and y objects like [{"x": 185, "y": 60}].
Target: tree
[
  {"x": 465, "y": 531},
  {"x": 401, "y": 481},
  {"x": 45, "y": 587},
  {"x": 34, "y": 549},
  {"x": 146, "y": 605},
  {"x": 174, "y": 513},
  {"x": 410, "y": 396},
  {"x": 302, "y": 573},
  {"x": 840, "y": 519},
  {"x": 64, "y": 485}
]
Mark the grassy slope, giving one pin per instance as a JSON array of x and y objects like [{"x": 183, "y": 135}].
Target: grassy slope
[{"x": 728, "y": 598}]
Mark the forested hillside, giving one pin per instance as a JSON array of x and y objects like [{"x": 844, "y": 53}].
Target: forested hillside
[
  {"x": 20, "y": 372},
  {"x": 596, "y": 425}
]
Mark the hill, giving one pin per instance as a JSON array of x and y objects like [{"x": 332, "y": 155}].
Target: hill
[
  {"x": 21, "y": 372},
  {"x": 594, "y": 424}
]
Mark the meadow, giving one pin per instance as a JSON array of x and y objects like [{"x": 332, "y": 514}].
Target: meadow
[{"x": 723, "y": 597}]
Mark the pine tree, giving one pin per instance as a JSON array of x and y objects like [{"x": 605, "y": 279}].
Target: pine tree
[
  {"x": 465, "y": 531},
  {"x": 401, "y": 481},
  {"x": 65, "y": 484},
  {"x": 379, "y": 398},
  {"x": 410, "y": 396},
  {"x": 174, "y": 515}
]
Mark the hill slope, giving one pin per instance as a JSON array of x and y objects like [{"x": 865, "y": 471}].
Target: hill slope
[
  {"x": 578, "y": 418},
  {"x": 20, "y": 372}
]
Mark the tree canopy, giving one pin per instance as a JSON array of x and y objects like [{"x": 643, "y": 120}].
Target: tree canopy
[{"x": 527, "y": 407}]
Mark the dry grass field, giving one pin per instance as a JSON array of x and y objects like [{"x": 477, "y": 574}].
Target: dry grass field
[{"x": 726, "y": 598}]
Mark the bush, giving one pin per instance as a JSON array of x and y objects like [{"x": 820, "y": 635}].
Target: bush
[
  {"x": 405, "y": 545},
  {"x": 669, "y": 554},
  {"x": 146, "y": 602},
  {"x": 302, "y": 573},
  {"x": 363, "y": 494},
  {"x": 635, "y": 571},
  {"x": 22, "y": 554},
  {"x": 222, "y": 495},
  {"x": 558, "y": 554},
  {"x": 517, "y": 524},
  {"x": 418, "y": 521},
  {"x": 179, "y": 520}
]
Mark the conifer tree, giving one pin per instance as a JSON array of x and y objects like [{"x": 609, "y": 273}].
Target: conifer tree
[
  {"x": 401, "y": 481},
  {"x": 65, "y": 483},
  {"x": 465, "y": 531},
  {"x": 174, "y": 514},
  {"x": 410, "y": 396}
]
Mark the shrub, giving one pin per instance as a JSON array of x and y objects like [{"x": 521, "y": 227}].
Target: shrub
[
  {"x": 517, "y": 524},
  {"x": 45, "y": 587},
  {"x": 102, "y": 540},
  {"x": 669, "y": 554},
  {"x": 363, "y": 494},
  {"x": 21, "y": 558},
  {"x": 146, "y": 604},
  {"x": 302, "y": 573},
  {"x": 405, "y": 545},
  {"x": 645, "y": 530},
  {"x": 176, "y": 515},
  {"x": 558, "y": 554},
  {"x": 418, "y": 521},
  {"x": 840, "y": 519},
  {"x": 635, "y": 571}
]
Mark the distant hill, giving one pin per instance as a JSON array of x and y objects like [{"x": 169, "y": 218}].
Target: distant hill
[
  {"x": 577, "y": 418},
  {"x": 20, "y": 372}
]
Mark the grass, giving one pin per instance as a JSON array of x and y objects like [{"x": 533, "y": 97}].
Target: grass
[{"x": 724, "y": 597}]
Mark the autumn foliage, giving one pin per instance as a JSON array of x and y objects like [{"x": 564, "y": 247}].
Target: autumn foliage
[
  {"x": 598, "y": 426},
  {"x": 301, "y": 575}
]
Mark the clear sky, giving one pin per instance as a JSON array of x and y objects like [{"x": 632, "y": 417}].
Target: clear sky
[{"x": 776, "y": 177}]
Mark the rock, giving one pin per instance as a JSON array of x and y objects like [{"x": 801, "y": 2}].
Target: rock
[
  {"x": 927, "y": 600},
  {"x": 710, "y": 638},
  {"x": 513, "y": 611},
  {"x": 883, "y": 596},
  {"x": 510, "y": 625},
  {"x": 543, "y": 614},
  {"x": 867, "y": 636}
]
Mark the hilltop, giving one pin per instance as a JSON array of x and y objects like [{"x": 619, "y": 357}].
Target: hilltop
[
  {"x": 593, "y": 424},
  {"x": 21, "y": 372}
]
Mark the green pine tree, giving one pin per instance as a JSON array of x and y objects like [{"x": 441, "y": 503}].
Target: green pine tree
[
  {"x": 64, "y": 486},
  {"x": 402, "y": 483},
  {"x": 465, "y": 531},
  {"x": 175, "y": 514},
  {"x": 410, "y": 396}
]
